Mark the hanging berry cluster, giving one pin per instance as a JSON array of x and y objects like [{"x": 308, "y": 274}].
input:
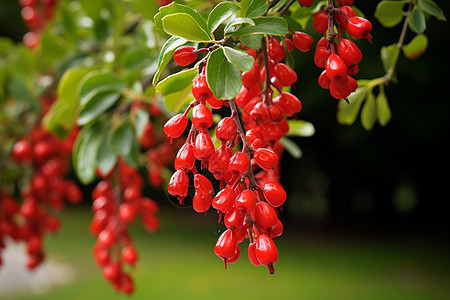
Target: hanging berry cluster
[
  {"x": 246, "y": 163},
  {"x": 36, "y": 14},
  {"x": 117, "y": 202},
  {"x": 339, "y": 56},
  {"x": 46, "y": 192}
]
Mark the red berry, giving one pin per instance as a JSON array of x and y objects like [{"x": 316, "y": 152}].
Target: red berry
[
  {"x": 285, "y": 75},
  {"x": 185, "y": 158},
  {"x": 245, "y": 202},
  {"x": 321, "y": 56},
  {"x": 226, "y": 245},
  {"x": 226, "y": 129},
  {"x": 22, "y": 151},
  {"x": 320, "y": 21},
  {"x": 224, "y": 199},
  {"x": 252, "y": 254},
  {"x": 265, "y": 216},
  {"x": 349, "y": 52},
  {"x": 178, "y": 185},
  {"x": 251, "y": 77},
  {"x": 203, "y": 146},
  {"x": 185, "y": 55},
  {"x": 302, "y": 41},
  {"x": 127, "y": 212},
  {"x": 265, "y": 158},
  {"x": 233, "y": 219},
  {"x": 175, "y": 126},
  {"x": 336, "y": 68},
  {"x": 200, "y": 88},
  {"x": 323, "y": 80},
  {"x": 342, "y": 15},
  {"x": 306, "y": 3},
  {"x": 201, "y": 202},
  {"x": 239, "y": 163},
  {"x": 274, "y": 194},
  {"x": 266, "y": 251},
  {"x": 359, "y": 28},
  {"x": 288, "y": 103},
  {"x": 202, "y": 117},
  {"x": 129, "y": 255},
  {"x": 275, "y": 49}
]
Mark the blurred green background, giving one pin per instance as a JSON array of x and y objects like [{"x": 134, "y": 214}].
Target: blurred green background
[{"x": 367, "y": 211}]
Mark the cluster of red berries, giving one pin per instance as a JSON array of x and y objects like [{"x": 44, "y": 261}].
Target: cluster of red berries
[
  {"x": 47, "y": 191},
  {"x": 338, "y": 56},
  {"x": 117, "y": 202},
  {"x": 36, "y": 15},
  {"x": 250, "y": 194}
]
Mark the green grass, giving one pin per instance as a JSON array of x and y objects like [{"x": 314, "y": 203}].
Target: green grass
[{"x": 179, "y": 263}]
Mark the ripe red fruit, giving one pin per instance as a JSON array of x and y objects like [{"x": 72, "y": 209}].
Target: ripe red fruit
[
  {"x": 266, "y": 251},
  {"x": 178, "y": 185},
  {"x": 265, "y": 158},
  {"x": 265, "y": 216},
  {"x": 233, "y": 219},
  {"x": 239, "y": 163},
  {"x": 185, "y": 55},
  {"x": 127, "y": 212},
  {"x": 343, "y": 91},
  {"x": 185, "y": 158},
  {"x": 274, "y": 194},
  {"x": 251, "y": 77},
  {"x": 302, "y": 41},
  {"x": 201, "y": 201},
  {"x": 359, "y": 28},
  {"x": 226, "y": 129},
  {"x": 288, "y": 102},
  {"x": 200, "y": 88},
  {"x": 245, "y": 202},
  {"x": 112, "y": 271},
  {"x": 320, "y": 22},
  {"x": 306, "y": 3},
  {"x": 129, "y": 255},
  {"x": 275, "y": 49},
  {"x": 285, "y": 75},
  {"x": 336, "y": 68},
  {"x": 203, "y": 146},
  {"x": 202, "y": 117},
  {"x": 224, "y": 199},
  {"x": 342, "y": 15},
  {"x": 321, "y": 56},
  {"x": 323, "y": 80},
  {"x": 226, "y": 245},
  {"x": 22, "y": 151},
  {"x": 175, "y": 126},
  {"x": 252, "y": 254},
  {"x": 349, "y": 52}
]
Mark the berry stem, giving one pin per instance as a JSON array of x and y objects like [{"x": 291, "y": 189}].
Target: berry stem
[
  {"x": 331, "y": 23},
  {"x": 267, "y": 91}
]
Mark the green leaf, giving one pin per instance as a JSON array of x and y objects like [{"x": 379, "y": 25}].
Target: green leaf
[
  {"x": 106, "y": 157},
  {"x": 97, "y": 105},
  {"x": 166, "y": 54},
  {"x": 431, "y": 8},
  {"x": 264, "y": 25},
  {"x": 416, "y": 47},
  {"x": 220, "y": 13},
  {"x": 369, "y": 112},
  {"x": 417, "y": 21},
  {"x": 51, "y": 46},
  {"x": 241, "y": 59},
  {"x": 253, "y": 41},
  {"x": 256, "y": 8},
  {"x": 300, "y": 128},
  {"x": 122, "y": 139},
  {"x": 224, "y": 79},
  {"x": 389, "y": 55},
  {"x": 146, "y": 8},
  {"x": 174, "y": 8},
  {"x": 390, "y": 13},
  {"x": 291, "y": 147},
  {"x": 382, "y": 108},
  {"x": 347, "y": 113},
  {"x": 140, "y": 120},
  {"x": 176, "y": 82},
  {"x": 84, "y": 155},
  {"x": 235, "y": 23},
  {"x": 64, "y": 111},
  {"x": 185, "y": 26},
  {"x": 96, "y": 82},
  {"x": 175, "y": 101}
]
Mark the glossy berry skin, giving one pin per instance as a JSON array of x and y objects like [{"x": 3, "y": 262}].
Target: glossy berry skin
[
  {"x": 289, "y": 103},
  {"x": 129, "y": 255},
  {"x": 201, "y": 202},
  {"x": 302, "y": 41},
  {"x": 321, "y": 56},
  {"x": 285, "y": 75},
  {"x": 179, "y": 184},
  {"x": 266, "y": 251},
  {"x": 349, "y": 52},
  {"x": 185, "y": 158},
  {"x": 200, "y": 88},
  {"x": 239, "y": 163},
  {"x": 233, "y": 219},
  {"x": 343, "y": 91},
  {"x": 265, "y": 158},
  {"x": 202, "y": 117},
  {"x": 275, "y": 49},
  {"x": 306, "y": 3},
  {"x": 251, "y": 77},
  {"x": 274, "y": 193},
  {"x": 224, "y": 199},
  {"x": 245, "y": 202},
  {"x": 323, "y": 80},
  {"x": 252, "y": 254},
  {"x": 226, "y": 129},
  {"x": 359, "y": 28},
  {"x": 336, "y": 68},
  {"x": 185, "y": 55},
  {"x": 342, "y": 15},
  {"x": 265, "y": 215},
  {"x": 203, "y": 147},
  {"x": 320, "y": 22},
  {"x": 226, "y": 245},
  {"x": 175, "y": 126}
]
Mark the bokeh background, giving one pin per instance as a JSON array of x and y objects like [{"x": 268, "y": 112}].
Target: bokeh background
[{"x": 366, "y": 217}]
